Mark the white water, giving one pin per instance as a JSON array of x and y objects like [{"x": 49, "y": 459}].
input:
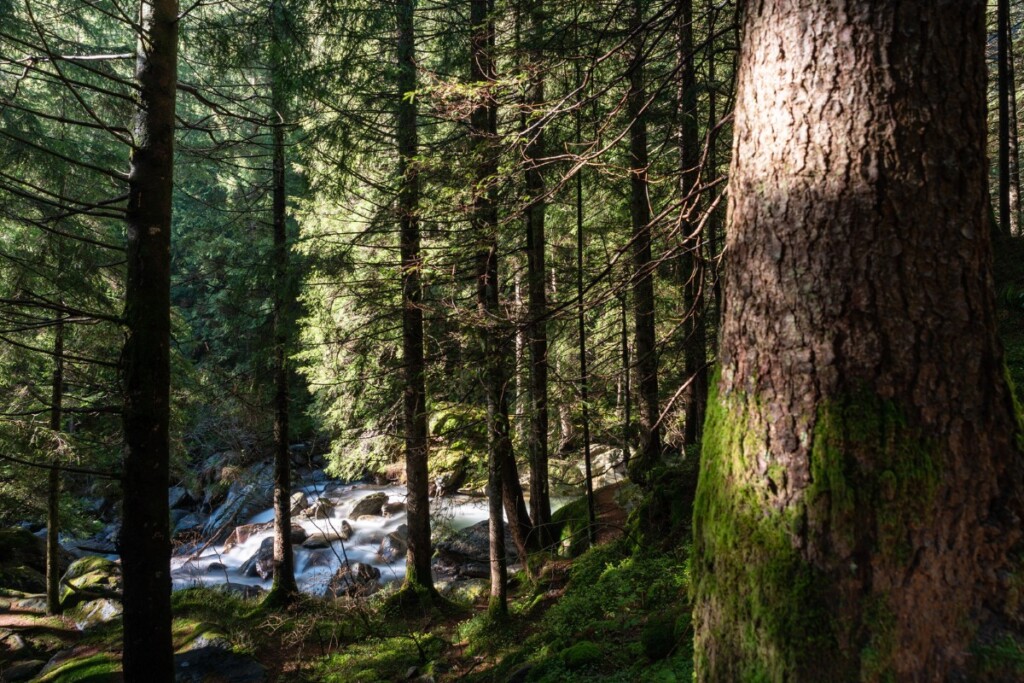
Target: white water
[{"x": 456, "y": 512}]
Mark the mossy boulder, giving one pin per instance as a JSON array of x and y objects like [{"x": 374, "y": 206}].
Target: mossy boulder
[
  {"x": 583, "y": 655},
  {"x": 22, "y": 578},
  {"x": 89, "y": 578},
  {"x": 95, "y": 612}
]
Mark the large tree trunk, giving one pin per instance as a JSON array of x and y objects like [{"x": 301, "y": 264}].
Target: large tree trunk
[
  {"x": 643, "y": 275},
  {"x": 537, "y": 329},
  {"x": 145, "y": 538},
  {"x": 418, "y": 574},
  {"x": 284, "y": 589},
  {"x": 53, "y": 572},
  {"x": 859, "y": 482},
  {"x": 691, "y": 268},
  {"x": 483, "y": 129}
]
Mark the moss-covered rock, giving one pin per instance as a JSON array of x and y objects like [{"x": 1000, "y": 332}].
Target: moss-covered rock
[{"x": 89, "y": 578}]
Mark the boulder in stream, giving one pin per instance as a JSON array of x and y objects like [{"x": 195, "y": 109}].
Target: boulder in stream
[
  {"x": 261, "y": 564},
  {"x": 357, "y": 579},
  {"x": 321, "y": 509},
  {"x": 392, "y": 509},
  {"x": 392, "y": 548},
  {"x": 297, "y": 502},
  {"x": 372, "y": 504},
  {"x": 325, "y": 537},
  {"x": 322, "y": 557}
]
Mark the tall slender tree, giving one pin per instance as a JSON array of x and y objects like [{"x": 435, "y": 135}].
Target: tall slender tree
[
  {"x": 643, "y": 264},
  {"x": 284, "y": 589},
  {"x": 418, "y": 573},
  {"x": 145, "y": 538}
]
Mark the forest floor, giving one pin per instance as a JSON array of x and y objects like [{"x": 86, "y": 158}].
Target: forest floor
[{"x": 615, "y": 612}]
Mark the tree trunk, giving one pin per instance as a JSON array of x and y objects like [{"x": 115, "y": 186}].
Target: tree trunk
[
  {"x": 483, "y": 130},
  {"x": 643, "y": 276},
  {"x": 536, "y": 244},
  {"x": 53, "y": 572},
  {"x": 1005, "y": 86},
  {"x": 582, "y": 333},
  {"x": 1013, "y": 142},
  {"x": 284, "y": 589},
  {"x": 859, "y": 481},
  {"x": 418, "y": 574},
  {"x": 691, "y": 267},
  {"x": 145, "y": 538}
]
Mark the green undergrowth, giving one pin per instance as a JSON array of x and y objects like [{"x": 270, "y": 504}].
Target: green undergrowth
[{"x": 623, "y": 617}]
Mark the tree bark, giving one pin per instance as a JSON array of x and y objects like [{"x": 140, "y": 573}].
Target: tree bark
[
  {"x": 1013, "y": 141},
  {"x": 859, "y": 484},
  {"x": 691, "y": 266},
  {"x": 643, "y": 276},
  {"x": 418, "y": 574},
  {"x": 53, "y": 572},
  {"x": 145, "y": 538},
  {"x": 1004, "y": 86},
  {"x": 484, "y": 218},
  {"x": 284, "y": 589},
  {"x": 536, "y": 245}
]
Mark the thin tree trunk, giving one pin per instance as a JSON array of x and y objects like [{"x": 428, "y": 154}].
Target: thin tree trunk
[
  {"x": 643, "y": 276},
  {"x": 53, "y": 572},
  {"x": 860, "y": 481},
  {"x": 418, "y": 574},
  {"x": 536, "y": 244},
  {"x": 145, "y": 537},
  {"x": 691, "y": 266},
  {"x": 1005, "y": 87},
  {"x": 582, "y": 331},
  {"x": 483, "y": 128},
  {"x": 627, "y": 398},
  {"x": 1014, "y": 147},
  {"x": 284, "y": 589}
]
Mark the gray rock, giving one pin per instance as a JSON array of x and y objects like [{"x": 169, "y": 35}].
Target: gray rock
[
  {"x": 178, "y": 498},
  {"x": 319, "y": 558},
  {"x": 359, "y": 579},
  {"x": 245, "y": 497},
  {"x": 392, "y": 509},
  {"x": 321, "y": 509},
  {"x": 189, "y": 522},
  {"x": 392, "y": 548},
  {"x": 215, "y": 664},
  {"x": 261, "y": 564},
  {"x": 22, "y": 671},
  {"x": 370, "y": 505},
  {"x": 472, "y": 545},
  {"x": 245, "y": 591},
  {"x": 323, "y": 539},
  {"x": 297, "y": 502},
  {"x": 96, "y": 612}
]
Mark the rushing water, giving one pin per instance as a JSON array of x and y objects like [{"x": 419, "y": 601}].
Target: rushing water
[{"x": 314, "y": 568}]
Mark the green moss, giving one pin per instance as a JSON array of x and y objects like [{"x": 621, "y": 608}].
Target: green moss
[
  {"x": 770, "y": 611},
  {"x": 582, "y": 655},
  {"x": 658, "y": 637},
  {"x": 88, "y": 573},
  {"x": 100, "y": 668}
]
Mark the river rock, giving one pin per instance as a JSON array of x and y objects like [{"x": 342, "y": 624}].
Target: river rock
[
  {"x": 212, "y": 663},
  {"x": 178, "y": 498},
  {"x": 462, "y": 551},
  {"x": 319, "y": 558},
  {"x": 392, "y": 509},
  {"x": 246, "y": 496},
  {"x": 261, "y": 564},
  {"x": 321, "y": 509},
  {"x": 23, "y": 560},
  {"x": 190, "y": 522},
  {"x": 297, "y": 502},
  {"x": 370, "y": 505},
  {"x": 323, "y": 539},
  {"x": 392, "y": 548},
  {"x": 358, "y": 580}
]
